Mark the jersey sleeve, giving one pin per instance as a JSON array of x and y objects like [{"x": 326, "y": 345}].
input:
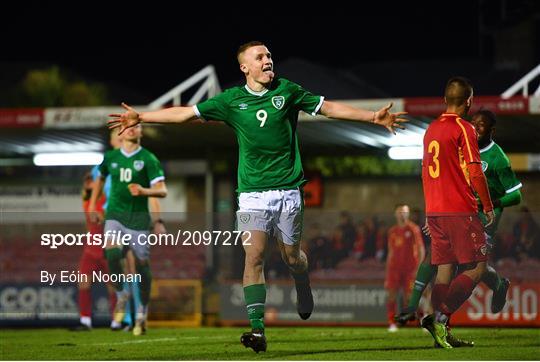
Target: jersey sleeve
[
  {"x": 95, "y": 172},
  {"x": 306, "y": 101},
  {"x": 154, "y": 170},
  {"x": 103, "y": 169},
  {"x": 506, "y": 175},
  {"x": 468, "y": 142},
  {"x": 215, "y": 108}
]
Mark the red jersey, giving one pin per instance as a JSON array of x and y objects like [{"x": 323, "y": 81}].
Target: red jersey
[
  {"x": 92, "y": 227},
  {"x": 450, "y": 144},
  {"x": 405, "y": 247}
]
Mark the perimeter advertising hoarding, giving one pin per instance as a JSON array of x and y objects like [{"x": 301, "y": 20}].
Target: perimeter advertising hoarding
[
  {"x": 521, "y": 308},
  {"x": 36, "y": 304},
  {"x": 339, "y": 303},
  {"x": 435, "y": 106},
  {"x": 334, "y": 303}
]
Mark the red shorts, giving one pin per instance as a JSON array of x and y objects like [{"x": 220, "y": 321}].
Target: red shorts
[
  {"x": 399, "y": 279},
  {"x": 90, "y": 263},
  {"x": 457, "y": 239}
]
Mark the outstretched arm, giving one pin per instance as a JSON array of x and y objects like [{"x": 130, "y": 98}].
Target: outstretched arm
[
  {"x": 381, "y": 117},
  {"x": 131, "y": 118}
]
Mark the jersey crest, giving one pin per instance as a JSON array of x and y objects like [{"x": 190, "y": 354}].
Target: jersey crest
[
  {"x": 484, "y": 166},
  {"x": 138, "y": 165},
  {"x": 278, "y": 101},
  {"x": 244, "y": 218}
]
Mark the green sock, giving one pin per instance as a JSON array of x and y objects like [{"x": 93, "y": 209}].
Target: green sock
[
  {"x": 146, "y": 282},
  {"x": 491, "y": 278},
  {"x": 255, "y": 296},
  {"x": 114, "y": 258},
  {"x": 424, "y": 275}
]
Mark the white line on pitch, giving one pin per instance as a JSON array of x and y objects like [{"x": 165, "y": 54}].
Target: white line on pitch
[
  {"x": 168, "y": 339},
  {"x": 135, "y": 341}
]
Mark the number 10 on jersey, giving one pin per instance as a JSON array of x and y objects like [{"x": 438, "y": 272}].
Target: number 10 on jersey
[{"x": 125, "y": 175}]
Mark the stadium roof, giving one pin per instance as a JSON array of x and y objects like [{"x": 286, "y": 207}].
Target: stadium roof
[
  {"x": 29, "y": 131},
  {"x": 517, "y": 131}
]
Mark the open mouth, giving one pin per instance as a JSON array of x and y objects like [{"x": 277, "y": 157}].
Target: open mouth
[{"x": 267, "y": 69}]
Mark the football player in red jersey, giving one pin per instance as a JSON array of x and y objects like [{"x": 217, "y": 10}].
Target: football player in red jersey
[
  {"x": 92, "y": 260},
  {"x": 405, "y": 251},
  {"x": 451, "y": 172}
]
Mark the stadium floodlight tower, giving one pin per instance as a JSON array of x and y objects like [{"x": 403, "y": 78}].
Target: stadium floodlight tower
[{"x": 209, "y": 88}]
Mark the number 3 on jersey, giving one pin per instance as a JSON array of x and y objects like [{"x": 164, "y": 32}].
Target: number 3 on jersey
[
  {"x": 125, "y": 175},
  {"x": 262, "y": 116},
  {"x": 434, "y": 147}
]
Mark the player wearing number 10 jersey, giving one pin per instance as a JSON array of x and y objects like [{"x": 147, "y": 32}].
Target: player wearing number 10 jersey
[
  {"x": 136, "y": 175},
  {"x": 451, "y": 172}
]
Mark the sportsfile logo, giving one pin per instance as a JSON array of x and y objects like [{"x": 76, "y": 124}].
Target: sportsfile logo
[{"x": 119, "y": 238}]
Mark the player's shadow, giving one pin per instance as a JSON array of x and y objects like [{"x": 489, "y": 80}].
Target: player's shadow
[
  {"x": 248, "y": 354},
  {"x": 332, "y": 339},
  {"x": 342, "y": 350}
]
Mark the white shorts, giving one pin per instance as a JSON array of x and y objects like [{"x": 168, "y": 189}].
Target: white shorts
[
  {"x": 141, "y": 251},
  {"x": 276, "y": 212}
]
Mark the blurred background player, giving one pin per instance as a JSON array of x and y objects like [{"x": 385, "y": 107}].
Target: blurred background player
[
  {"x": 92, "y": 260},
  {"x": 115, "y": 141},
  {"x": 451, "y": 172},
  {"x": 136, "y": 174},
  {"x": 504, "y": 188},
  {"x": 130, "y": 262},
  {"x": 264, "y": 115},
  {"x": 405, "y": 251}
]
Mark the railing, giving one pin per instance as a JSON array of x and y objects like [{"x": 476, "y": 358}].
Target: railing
[
  {"x": 210, "y": 87},
  {"x": 523, "y": 85}
]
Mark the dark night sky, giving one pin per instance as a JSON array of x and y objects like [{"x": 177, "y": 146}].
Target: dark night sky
[{"x": 151, "y": 48}]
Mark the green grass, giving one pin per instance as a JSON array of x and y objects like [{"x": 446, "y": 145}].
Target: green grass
[{"x": 283, "y": 344}]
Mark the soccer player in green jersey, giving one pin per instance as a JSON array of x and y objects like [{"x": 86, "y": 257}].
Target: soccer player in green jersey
[
  {"x": 264, "y": 115},
  {"x": 136, "y": 177},
  {"x": 504, "y": 189}
]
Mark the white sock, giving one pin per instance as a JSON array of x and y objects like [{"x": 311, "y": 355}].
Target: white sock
[
  {"x": 142, "y": 311},
  {"x": 87, "y": 321},
  {"x": 115, "y": 324}
]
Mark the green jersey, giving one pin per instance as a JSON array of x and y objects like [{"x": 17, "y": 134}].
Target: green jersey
[
  {"x": 501, "y": 179},
  {"x": 265, "y": 126},
  {"x": 138, "y": 167},
  {"x": 499, "y": 174}
]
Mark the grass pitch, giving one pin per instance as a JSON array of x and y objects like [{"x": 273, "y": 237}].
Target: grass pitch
[{"x": 305, "y": 343}]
